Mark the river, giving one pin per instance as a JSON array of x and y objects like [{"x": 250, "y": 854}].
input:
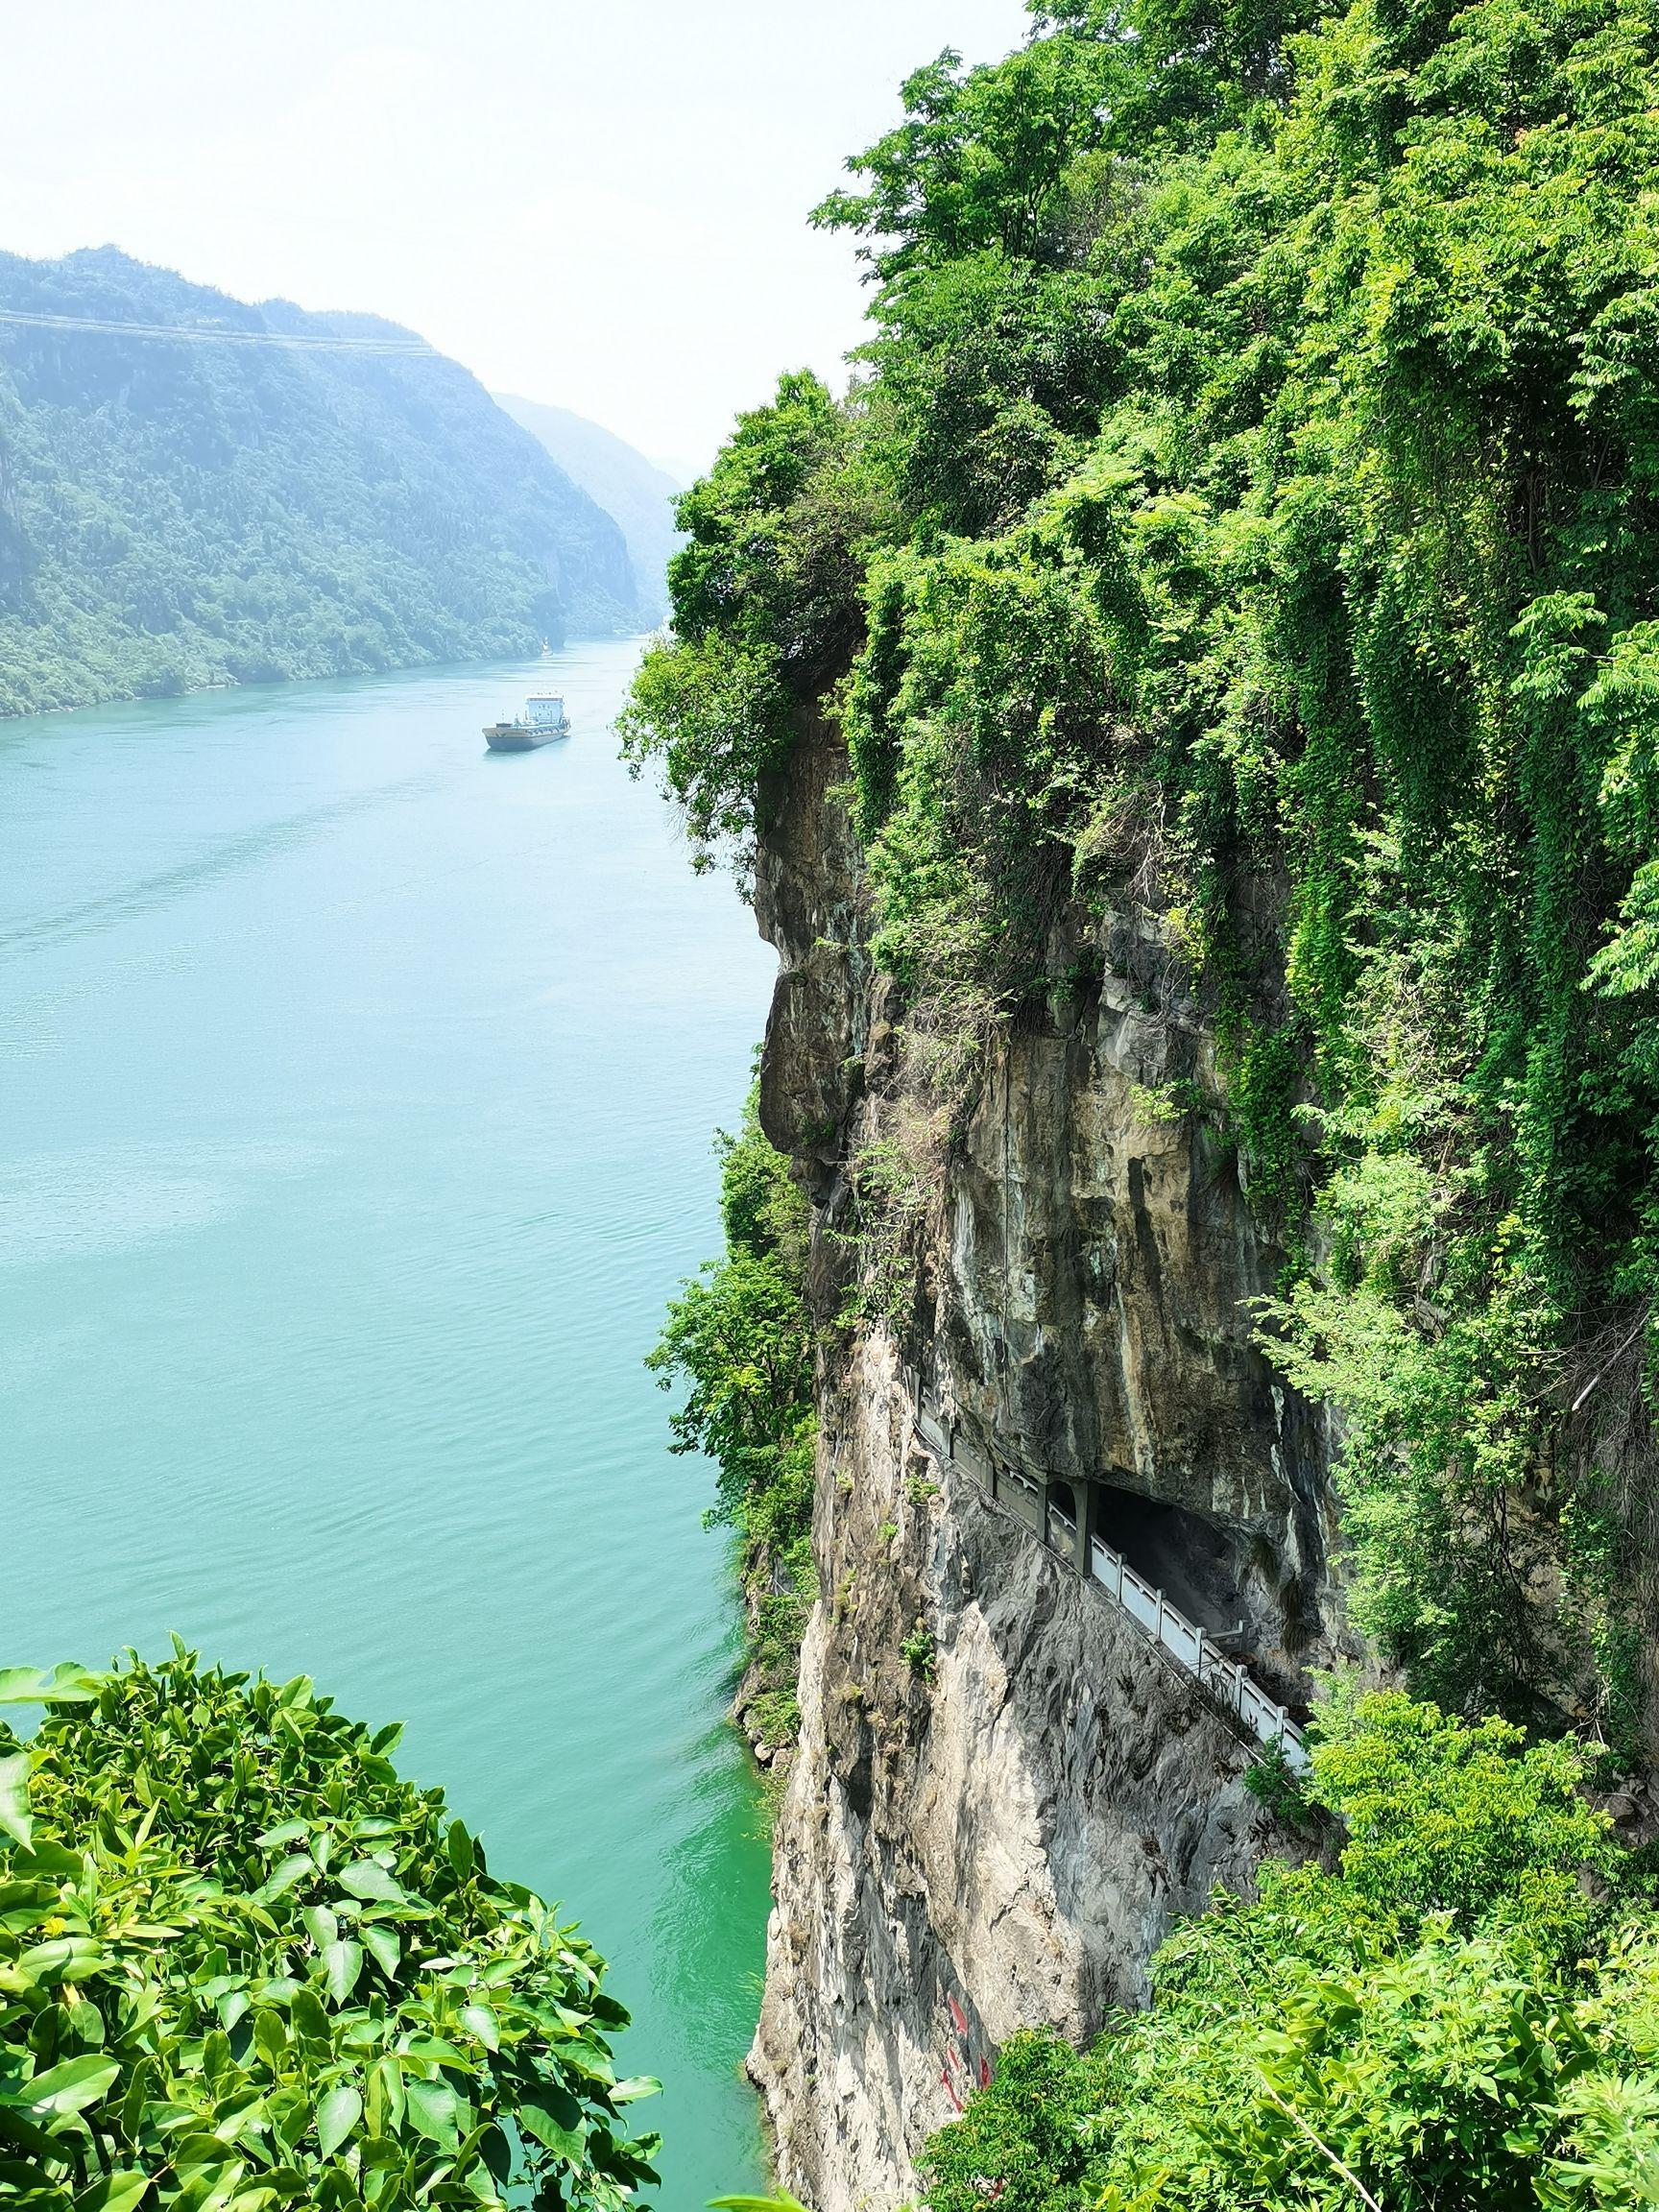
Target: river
[{"x": 359, "y": 1088}]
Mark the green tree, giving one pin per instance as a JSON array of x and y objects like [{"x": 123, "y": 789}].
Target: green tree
[{"x": 764, "y": 594}]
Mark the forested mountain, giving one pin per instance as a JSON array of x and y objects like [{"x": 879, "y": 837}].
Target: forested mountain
[
  {"x": 631, "y": 489},
  {"x": 183, "y": 511}
]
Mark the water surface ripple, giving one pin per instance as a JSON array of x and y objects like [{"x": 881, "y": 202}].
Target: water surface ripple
[{"x": 359, "y": 1087}]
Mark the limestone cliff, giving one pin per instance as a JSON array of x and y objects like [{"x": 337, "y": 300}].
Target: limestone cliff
[{"x": 1003, "y": 1790}]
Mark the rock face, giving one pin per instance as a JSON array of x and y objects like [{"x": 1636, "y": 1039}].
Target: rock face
[{"x": 1003, "y": 1793}]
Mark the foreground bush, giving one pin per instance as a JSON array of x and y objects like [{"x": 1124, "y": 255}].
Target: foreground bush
[
  {"x": 1462, "y": 2017},
  {"x": 244, "y": 1966}
]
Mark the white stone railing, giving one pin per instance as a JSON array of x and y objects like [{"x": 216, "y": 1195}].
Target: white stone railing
[
  {"x": 1191, "y": 1648},
  {"x": 1196, "y": 1653}
]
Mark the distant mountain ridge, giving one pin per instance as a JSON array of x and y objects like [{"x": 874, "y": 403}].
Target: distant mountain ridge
[
  {"x": 637, "y": 491},
  {"x": 177, "y": 513}
]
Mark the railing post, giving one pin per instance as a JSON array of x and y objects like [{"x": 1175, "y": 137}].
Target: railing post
[
  {"x": 1158, "y": 1628},
  {"x": 1198, "y": 1657}
]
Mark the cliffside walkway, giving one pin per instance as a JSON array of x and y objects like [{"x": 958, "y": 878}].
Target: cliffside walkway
[{"x": 1191, "y": 1648}]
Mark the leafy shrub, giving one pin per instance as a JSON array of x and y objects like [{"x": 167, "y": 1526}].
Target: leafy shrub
[
  {"x": 1469, "y": 1819},
  {"x": 1445, "y": 2022},
  {"x": 1023, "y": 2142},
  {"x": 244, "y": 1966},
  {"x": 740, "y": 1337}
]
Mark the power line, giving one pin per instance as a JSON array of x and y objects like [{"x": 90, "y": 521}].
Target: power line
[{"x": 198, "y": 334}]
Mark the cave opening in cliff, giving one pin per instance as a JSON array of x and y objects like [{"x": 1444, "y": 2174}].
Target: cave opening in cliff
[{"x": 1193, "y": 1560}]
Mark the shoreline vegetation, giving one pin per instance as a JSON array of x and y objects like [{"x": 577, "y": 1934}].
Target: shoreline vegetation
[{"x": 738, "y": 1338}]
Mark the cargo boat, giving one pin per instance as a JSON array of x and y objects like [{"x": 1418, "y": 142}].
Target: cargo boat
[{"x": 543, "y": 720}]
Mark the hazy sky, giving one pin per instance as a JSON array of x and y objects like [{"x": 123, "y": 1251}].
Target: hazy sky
[{"x": 598, "y": 204}]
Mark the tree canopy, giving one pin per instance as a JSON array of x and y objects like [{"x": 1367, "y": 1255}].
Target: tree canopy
[{"x": 1461, "y": 2015}]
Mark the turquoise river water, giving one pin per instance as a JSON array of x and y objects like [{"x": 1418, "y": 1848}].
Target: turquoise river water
[{"x": 358, "y": 1095}]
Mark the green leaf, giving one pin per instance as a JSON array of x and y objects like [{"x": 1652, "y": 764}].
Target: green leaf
[
  {"x": 457, "y": 1844},
  {"x": 386, "y": 2097},
  {"x": 320, "y": 1926},
  {"x": 383, "y": 1943},
  {"x": 478, "y": 2020},
  {"x": 435, "y": 2050},
  {"x": 566, "y": 2142},
  {"x": 432, "y": 2108},
  {"x": 72, "y": 2086},
  {"x": 342, "y": 1964},
  {"x": 116, "y": 2193},
  {"x": 368, "y": 1877},
  {"x": 286, "y": 1832},
  {"x": 309, "y": 2018},
  {"x": 65, "y": 1959},
  {"x": 337, "y": 2115},
  {"x": 15, "y": 1819},
  {"x": 296, "y": 1868},
  {"x": 66, "y": 1684},
  {"x": 636, "y": 2085},
  {"x": 50, "y": 1862},
  {"x": 140, "y": 2083},
  {"x": 782, "y": 2202},
  {"x": 23, "y": 2135},
  {"x": 554, "y": 2117}
]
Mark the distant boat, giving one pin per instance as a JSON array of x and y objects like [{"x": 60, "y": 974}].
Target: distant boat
[
  {"x": 543, "y": 720},
  {"x": 547, "y": 651}
]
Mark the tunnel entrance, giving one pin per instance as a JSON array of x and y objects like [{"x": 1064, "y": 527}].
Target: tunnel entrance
[
  {"x": 1198, "y": 1564},
  {"x": 1063, "y": 1518}
]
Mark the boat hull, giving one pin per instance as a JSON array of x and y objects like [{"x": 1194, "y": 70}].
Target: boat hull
[{"x": 505, "y": 737}]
